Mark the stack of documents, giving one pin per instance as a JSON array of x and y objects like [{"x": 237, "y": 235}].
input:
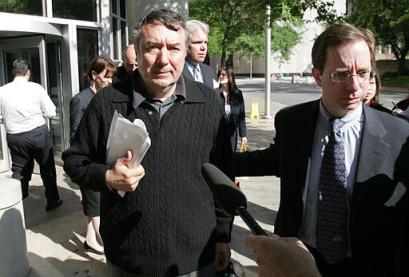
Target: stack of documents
[{"x": 124, "y": 136}]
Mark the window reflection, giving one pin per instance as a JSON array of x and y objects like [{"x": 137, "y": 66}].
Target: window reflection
[
  {"x": 122, "y": 8},
  {"x": 87, "y": 50},
  {"x": 123, "y": 35},
  {"x": 119, "y": 27},
  {"x": 114, "y": 6},
  {"x": 75, "y": 9},
  {"x": 115, "y": 37},
  {"x": 55, "y": 92},
  {"x": 31, "y": 7}
]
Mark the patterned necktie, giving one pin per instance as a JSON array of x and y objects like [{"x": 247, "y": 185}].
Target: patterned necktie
[
  {"x": 331, "y": 228},
  {"x": 197, "y": 76}
]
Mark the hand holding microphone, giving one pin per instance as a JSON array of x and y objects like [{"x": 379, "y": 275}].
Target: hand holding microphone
[
  {"x": 230, "y": 198},
  {"x": 276, "y": 256}
]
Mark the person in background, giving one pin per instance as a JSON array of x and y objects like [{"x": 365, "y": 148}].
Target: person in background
[
  {"x": 100, "y": 73},
  {"x": 167, "y": 223},
  {"x": 371, "y": 98},
  {"x": 24, "y": 105},
  {"x": 232, "y": 103},
  {"x": 195, "y": 69},
  {"x": 129, "y": 64}
]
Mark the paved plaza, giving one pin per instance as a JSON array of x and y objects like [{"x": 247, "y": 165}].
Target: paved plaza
[{"x": 54, "y": 239}]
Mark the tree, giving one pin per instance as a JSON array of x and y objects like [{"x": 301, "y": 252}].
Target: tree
[
  {"x": 228, "y": 19},
  {"x": 250, "y": 46},
  {"x": 284, "y": 39},
  {"x": 389, "y": 21},
  {"x": 238, "y": 25}
]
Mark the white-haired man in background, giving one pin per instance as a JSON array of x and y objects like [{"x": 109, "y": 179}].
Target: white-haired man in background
[{"x": 194, "y": 68}]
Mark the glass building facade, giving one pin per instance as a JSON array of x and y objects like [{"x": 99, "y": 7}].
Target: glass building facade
[{"x": 58, "y": 38}]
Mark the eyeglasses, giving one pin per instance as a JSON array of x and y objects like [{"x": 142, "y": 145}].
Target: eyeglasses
[{"x": 343, "y": 76}]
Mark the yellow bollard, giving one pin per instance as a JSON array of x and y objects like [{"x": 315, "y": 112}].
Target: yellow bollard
[{"x": 254, "y": 110}]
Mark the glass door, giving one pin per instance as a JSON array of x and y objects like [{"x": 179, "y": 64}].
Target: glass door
[
  {"x": 34, "y": 50},
  {"x": 4, "y": 158}
]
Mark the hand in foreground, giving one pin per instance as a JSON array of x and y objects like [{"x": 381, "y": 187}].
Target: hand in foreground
[
  {"x": 222, "y": 258},
  {"x": 281, "y": 257},
  {"x": 244, "y": 140},
  {"x": 122, "y": 176},
  {"x": 396, "y": 111}
]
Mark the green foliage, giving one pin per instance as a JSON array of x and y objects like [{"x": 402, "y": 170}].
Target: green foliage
[
  {"x": 325, "y": 10},
  {"x": 388, "y": 20},
  {"x": 283, "y": 40},
  {"x": 214, "y": 47},
  {"x": 21, "y": 6},
  {"x": 238, "y": 25},
  {"x": 247, "y": 45}
]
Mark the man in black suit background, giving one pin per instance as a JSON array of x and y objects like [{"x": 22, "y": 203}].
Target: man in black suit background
[
  {"x": 370, "y": 237},
  {"x": 129, "y": 64},
  {"x": 194, "y": 68}
]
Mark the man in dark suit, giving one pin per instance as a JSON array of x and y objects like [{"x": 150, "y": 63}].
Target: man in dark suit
[
  {"x": 194, "y": 68},
  {"x": 129, "y": 64},
  {"x": 364, "y": 233}
]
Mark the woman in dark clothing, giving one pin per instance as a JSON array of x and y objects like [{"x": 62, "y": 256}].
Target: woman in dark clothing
[
  {"x": 232, "y": 102},
  {"x": 100, "y": 73},
  {"x": 371, "y": 98}
]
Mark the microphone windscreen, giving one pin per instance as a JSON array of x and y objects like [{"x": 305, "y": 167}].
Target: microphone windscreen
[{"x": 226, "y": 193}]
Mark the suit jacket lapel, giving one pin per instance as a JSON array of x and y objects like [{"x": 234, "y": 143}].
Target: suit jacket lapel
[
  {"x": 308, "y": 127},
  {"x": 207, "y": 76},
  {"x": 303, "y": 137},
  {"x": 187, "y": 74},
  {"x": 373, "y": 146}
]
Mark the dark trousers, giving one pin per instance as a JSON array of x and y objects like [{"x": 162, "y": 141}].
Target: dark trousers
[{"x": 33, "y": 145}]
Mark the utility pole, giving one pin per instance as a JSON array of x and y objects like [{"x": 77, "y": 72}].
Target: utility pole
[
  {"x": 251, "y": 66},
  {"x": 268, "y": 67}
]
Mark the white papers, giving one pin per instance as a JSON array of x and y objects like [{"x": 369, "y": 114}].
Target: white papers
[{"x": 125, "y": 135}]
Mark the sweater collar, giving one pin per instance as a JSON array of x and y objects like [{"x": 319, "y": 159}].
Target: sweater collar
[
  {"x": 125, "y": 90},
  {"x": 140, "y": 95}
]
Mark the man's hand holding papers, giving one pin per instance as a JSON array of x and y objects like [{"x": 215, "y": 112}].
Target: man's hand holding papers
[
  {"x": 122, "y": 176},
  {"x": 127, "y": 144}
]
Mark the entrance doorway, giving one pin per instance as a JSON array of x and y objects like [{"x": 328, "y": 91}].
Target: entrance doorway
[{"x": 45, "y": 62}]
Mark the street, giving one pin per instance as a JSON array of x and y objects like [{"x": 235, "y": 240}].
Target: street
[{"x": 285, "y": 93}]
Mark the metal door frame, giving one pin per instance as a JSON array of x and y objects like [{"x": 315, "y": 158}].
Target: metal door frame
[{"x": 19, "y": 43}]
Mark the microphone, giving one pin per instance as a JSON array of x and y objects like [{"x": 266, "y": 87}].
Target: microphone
[{"x": 230, "y": 198}]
